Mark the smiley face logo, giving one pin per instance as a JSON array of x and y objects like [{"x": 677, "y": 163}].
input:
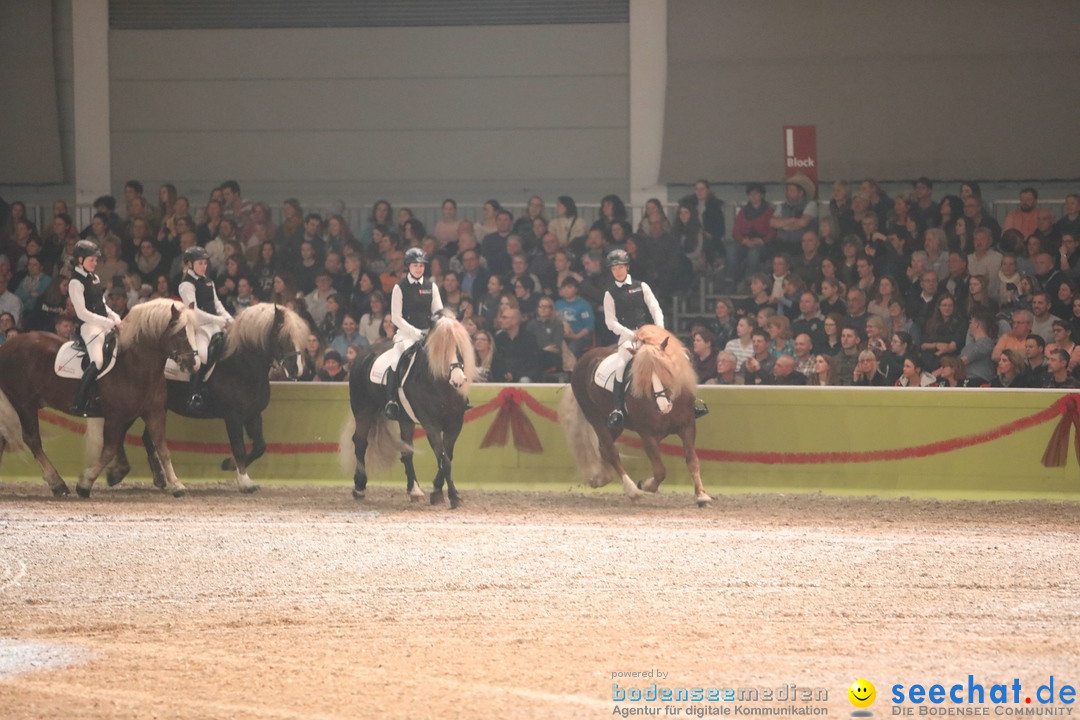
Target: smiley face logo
[{"x": 862, "y": 693}]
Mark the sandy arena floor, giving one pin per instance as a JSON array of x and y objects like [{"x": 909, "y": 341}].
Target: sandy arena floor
[{"x": 301, "y": 603}]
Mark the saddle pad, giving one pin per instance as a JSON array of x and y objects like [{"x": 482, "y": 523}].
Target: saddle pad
[
  {"x": 69, "y": 362},
  {"x": 604, "y": 376},
  {"x": 380, "y": 366}
]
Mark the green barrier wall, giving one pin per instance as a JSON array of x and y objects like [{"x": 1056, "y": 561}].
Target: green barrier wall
[{"x": 976, "y": 444}]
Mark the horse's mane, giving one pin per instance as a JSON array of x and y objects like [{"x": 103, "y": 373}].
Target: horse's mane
[
  {"x": 447, "y": 340},
  {"x": 251, "y": 331},
  {"x": 671, "y": 364},
  {"x": 151, "y": 319}
]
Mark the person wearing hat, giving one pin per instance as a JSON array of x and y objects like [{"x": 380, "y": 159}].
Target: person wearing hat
[
  {"x": 628, "y": 304},
  {"x": 797, "y": 214},
  {"x": 333, "y": 369},
  {"x": 413, "y": 302},
  {"x": 96, "y": 319},
  {"x": 198, "y": 292},
  {"x": 752, "y": 234}
]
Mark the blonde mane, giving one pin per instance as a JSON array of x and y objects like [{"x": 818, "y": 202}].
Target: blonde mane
[
  {"x": 447, "y": 340},
  {"x": 151, "y": 319},
  {"x": 671, "y": 365},
  {"x": 251, "y": 331}
]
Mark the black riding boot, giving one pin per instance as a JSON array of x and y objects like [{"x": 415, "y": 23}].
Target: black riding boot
[
  {"x": 392, "y": 411},
  {"x": 618, "y": 415},
  {"x": 197, "y": 401},
  {"x": 90, "y": 374}
]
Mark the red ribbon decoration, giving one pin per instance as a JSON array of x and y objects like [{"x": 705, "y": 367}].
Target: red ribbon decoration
[
  {"x": 512, "y": 417},
  {"x": 1057, "y": 449}
]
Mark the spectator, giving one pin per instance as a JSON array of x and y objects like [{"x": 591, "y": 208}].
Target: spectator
[
  {"x": 703, "y": 354},
  {"x": 1035, "y": 359},
  {"x": 234, "y": 205},
  {"x": 892, "y": 362},
  {"x": 291, "y": 230},
  {"x": 977, "y": 218},
  {"x": 985, "y": 260},
  {"x": 654, "y": 224},
  {"x": 857, "y": 315},
  {"x": 541, "y": 264},
  {"x": 1010, "y": 370},
  {"x": 784, "y": 372},
  {"x": 567, "y": 226},
  {"x": 953, "y": 374},
  {"x": 780, "y": 343},
  {"x": 578, "y": 315},
  {"x": 332, "y": 369},
  {"x": 824, "y": 371},
  {"x": 752, "y": 235},
  {"x": 150, "y": 264},
  {"x": 33, "y": 285},
  {"x": 722, "y": 323},
  {"x": 1022, "y": 321},
  {"x": 1023, "y": 218},
  {"x": 1008, "y": 281},
  {"x": 349, "y": 334},
  {"x": 316, "y": 299},
  {"x": 868, "y": 371},
  {"x": 848, "y": 357},
  {"x": 831, "y": 301},
  {"x": 797, "y": 214},
  {"x": 726, "y": 373},
  {"x": 807, "y": 265},
  {"x": 381, "y": 214},
  {"x": 945, "y": 333},
  {"x": 760, "y": 285},
  {"x": 690, "y": 237},
  {"x": 516, "y": 353},
  {"x": 832, "y": 327},
  {"x": 245, "y": 295},
  {"x": 210, "y": 228},
  {"x": 485, "y": 351},
  {"x": 493, "y": 246},
  {"x": 804, "y": 354},
  {"x": 1058, "y": 376},
  {"x": 370, "y": 323},
  {"x": 758, "y": 367},
  {"x": 742, "y": 346},
  {"x": 1062, "y": 339},
  {"x": 956, "y": 284},
  {"x": 547, "y": 327},
  {"x": 1069, "y": 223},
  {"x": 841, "y": 212},
  {"x": 474, "y": 277},
  {"x": 898, "y": 321},
  {"x": 925, "y": 210},
  {"x": 1042, "y": 320},
  {"x": 914, "y": 375},
  {"x": 7, "y": 324},
  {"x": 979, "y": 299},
  {"x": 709, "y": 212}
]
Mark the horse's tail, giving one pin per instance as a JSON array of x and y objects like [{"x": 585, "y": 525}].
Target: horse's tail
[
  {"x": 384, "y": 447},
  {"x": 10, "y": 425},
  {"x": 581, "y": 437}
]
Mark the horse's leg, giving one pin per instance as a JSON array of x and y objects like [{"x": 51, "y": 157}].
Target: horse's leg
[
  {"x": 412, "y": 487},
  {"x": 160, "y": 480},
  {"x": 688, "y": 435},
  {"x": 155, "y": 425},
  {"x": 254, "y": 428},
  {"x": 113, "y": 437},
  {"x": 234, "y": 426},
  {"x": 652, "y": 449},
  {"x": 450, "y": 436},
  {"x": 32, "y": 437},
  {"x": 360, "y": 443},
  {"x": 435, "y": 440},
  {"x": 610, "y": 455},
  {"x": 120, "y": 467}
]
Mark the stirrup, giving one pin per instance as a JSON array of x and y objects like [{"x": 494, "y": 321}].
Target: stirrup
[
  {"x": 392, "y": 411},
  {"x": 700, "y": 409},
  {"x": 196, "y": 402},
  {"x": 616, "y": 419}
]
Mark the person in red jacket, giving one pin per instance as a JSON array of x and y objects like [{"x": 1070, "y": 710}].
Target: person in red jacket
[{"x": 752, "y": 235}]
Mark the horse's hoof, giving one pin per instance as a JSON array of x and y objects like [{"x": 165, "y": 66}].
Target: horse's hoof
[
  {"x": 357, "y": 494},
  {"x": 159, "y": 483},
  {"x": 415, "y": 498},
  {"x": 249, "y": 489},
  {"x": 61, "y": 490},
  {"x": 83, "y": 492},
  {"x": 228, "y": 464},
  {"x": 704, "y": 501},
  {"x": 114, "y": 480},
  {"x": 436, "y": 498},
  {"x": 454, "y": 502},
  {"x": 179, "y": 493}
]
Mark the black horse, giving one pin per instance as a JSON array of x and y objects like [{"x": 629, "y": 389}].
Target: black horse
[
  {"x": 239, "y": 388},
  {"x": 435, "y": 390}
]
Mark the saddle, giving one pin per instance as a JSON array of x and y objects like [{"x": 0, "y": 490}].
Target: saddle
[
  {"x": 71, "y": 359},
  {"x": 382, "y": 363},
  {"x": 604, "y": 375}
]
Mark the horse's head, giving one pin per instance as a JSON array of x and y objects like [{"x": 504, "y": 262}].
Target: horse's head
[
  {"x": 450, "y": 353},
  {"x": 180, "y": 339},
  {"x": 286, "y": 343}
]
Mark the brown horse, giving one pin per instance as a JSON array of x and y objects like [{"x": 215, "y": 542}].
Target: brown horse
[
  {"x": 152, "y": 332},
  {"x": 659, "y": 402}
]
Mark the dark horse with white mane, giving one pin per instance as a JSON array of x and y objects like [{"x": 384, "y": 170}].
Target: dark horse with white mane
[
  {"x": 659, "y": 402},
  {"x": 135, "y": 387},
  {"x": 264, "y": 335},
  {"x": 435, "y": 390}
]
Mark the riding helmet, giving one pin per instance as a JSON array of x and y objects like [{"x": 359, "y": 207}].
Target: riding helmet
[
  {"x": 195, "y": 253},
  {"x": 415, "y": 255},
  {"x": 618, "y": 257},
  {"x": 84, "y": 249}
]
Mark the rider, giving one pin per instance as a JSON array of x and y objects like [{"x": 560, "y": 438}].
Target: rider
[
  {"x": 96, "y": 319},
  {"x": 198, "y": 291},
  {"x": 412, "y": 304},
  {"x": 628, "y": 304}
]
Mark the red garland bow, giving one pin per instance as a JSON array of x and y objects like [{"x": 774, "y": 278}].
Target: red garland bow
[
  {"x": 1057, "y": 450},
  {"x": 513, "y": 417}
]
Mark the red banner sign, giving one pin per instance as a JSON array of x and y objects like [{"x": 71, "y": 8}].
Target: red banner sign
[{"x": 800, "y": 151}]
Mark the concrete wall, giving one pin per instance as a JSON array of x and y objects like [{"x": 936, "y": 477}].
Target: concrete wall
[{"x": 362, "y": 113}]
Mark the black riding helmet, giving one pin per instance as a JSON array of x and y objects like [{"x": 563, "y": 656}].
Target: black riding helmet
[
  {"x": 195, "y": 253},
  {"x": 618, "y": 257},
  {"x": 415, "y": 255},
  {"x": 84, "y": 249}
]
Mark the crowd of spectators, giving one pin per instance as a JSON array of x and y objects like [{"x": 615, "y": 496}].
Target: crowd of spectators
[{"x": 860, "y": 290}]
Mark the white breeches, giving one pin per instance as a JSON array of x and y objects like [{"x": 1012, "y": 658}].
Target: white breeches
[
  {"x": 624, "y": 353},
  {"x": 94, "y": 338},
  {"x": 401, "y": 344},
  {"x": 203, "y": 335}
]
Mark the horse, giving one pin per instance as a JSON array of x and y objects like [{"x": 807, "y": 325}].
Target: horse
[
  {"x": 659, "y": 402},
  {"x": 150, "y": 334},
  {"x": 263, "y": 336},
  {"x": 435, "y": 389}
]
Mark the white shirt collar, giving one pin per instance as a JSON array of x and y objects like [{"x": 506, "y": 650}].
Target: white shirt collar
[{"x": 627, "y": 281}]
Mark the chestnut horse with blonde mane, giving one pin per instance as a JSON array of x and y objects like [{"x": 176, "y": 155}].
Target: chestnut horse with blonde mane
[
  {"x": 135, "y": 388},
  {"x": 659, "y": 402}
]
